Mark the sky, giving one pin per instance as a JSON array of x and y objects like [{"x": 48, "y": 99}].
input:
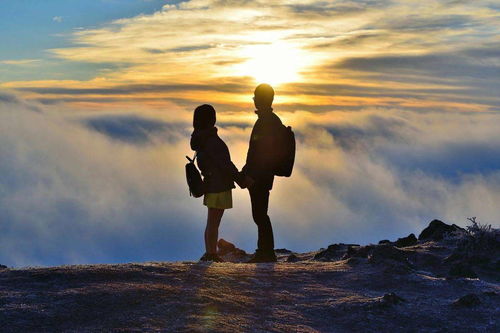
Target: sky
[{"x": 394, "y": 103}]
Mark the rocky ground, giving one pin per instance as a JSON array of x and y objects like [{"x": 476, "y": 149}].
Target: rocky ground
[{"x": 447, "y": 280}]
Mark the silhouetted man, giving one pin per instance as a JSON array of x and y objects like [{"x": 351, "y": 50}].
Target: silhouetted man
[{"x": 259, "y": 169}]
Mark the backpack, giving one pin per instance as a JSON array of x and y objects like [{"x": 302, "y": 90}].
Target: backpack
[
  {"x": 286, "y": 158},
  {"x": 193, "y": 177}
]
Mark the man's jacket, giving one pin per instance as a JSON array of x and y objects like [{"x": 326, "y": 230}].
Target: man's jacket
[{"x": 262, "y": 150}]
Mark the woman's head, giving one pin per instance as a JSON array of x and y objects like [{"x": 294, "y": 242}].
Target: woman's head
[{"x": 204, "y": 117}]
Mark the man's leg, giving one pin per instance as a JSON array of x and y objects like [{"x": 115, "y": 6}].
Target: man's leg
[{"x": 260, "y": 204}]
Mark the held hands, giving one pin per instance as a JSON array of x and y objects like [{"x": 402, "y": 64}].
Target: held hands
[{"x": 244, "y": 181}]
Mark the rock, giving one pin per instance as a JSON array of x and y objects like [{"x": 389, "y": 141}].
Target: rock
[
  {"x": 462, "y": 270},
  {"x": 328, "y": 254},
  {"x": 376, "y": 253},
  {"x": 334, "y": 252},
  {"x": 454, "y": 257},
  {"x": 282, "y": 251},
  {"x": 354, "y": 261},
  {"x": 490, "y": 293},
  {"x": 391, "y": 267},
  {"x": 388, "y": 300},
  {"x": 406, "y": 241},
  {"x": 230, "y": 253},
  {"x": 224, "y": 247},
  {"x": 237, "y": 255},
  {"x": 409, "y": 240},
  {"x": 392, "y": 299},
  {"x": 468, "y": 300},
  {"x": 383, "y": 252},
  {"x": 428, "y": 260},
  {"x": 292, "y": 258},
  {"x": 437, "y": 229},
  {"x": 391, "y": 259},
  {"x": 359, "y": 251}
]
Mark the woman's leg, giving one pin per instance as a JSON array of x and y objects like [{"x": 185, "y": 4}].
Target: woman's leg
[{"x": 212, "y": 229}]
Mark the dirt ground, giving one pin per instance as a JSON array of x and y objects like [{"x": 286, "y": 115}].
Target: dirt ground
[{"x": 352, "y": 295}]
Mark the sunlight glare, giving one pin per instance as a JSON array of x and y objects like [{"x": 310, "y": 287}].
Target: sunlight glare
[{"x": 274, "y": 63}]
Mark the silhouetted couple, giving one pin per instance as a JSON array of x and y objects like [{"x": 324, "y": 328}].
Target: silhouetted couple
[{"x": 219, "y": 173}]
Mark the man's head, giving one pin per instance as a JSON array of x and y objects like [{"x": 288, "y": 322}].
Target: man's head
[{"x": 263, "y": 96}]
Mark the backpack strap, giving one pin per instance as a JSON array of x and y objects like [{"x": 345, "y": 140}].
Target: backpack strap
[{"x": 194, "y": 157}]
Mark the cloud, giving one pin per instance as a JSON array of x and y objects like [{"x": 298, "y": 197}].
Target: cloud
[
  {"x": 140, "y": 88},
  {"x": 394, "y": 105},
  {"x": 57, "y": 19},
  {"x": 68, "y": 194},
  {"x": 110, "y": 188},
  {"x": 447, "y": 65},
  {"x": 437, "y": 55},
  {"x": 20, "y": 62},
  {"x": 137, "y": 130}
]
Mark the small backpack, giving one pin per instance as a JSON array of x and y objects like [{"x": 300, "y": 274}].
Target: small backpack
[
  {"x": 286, "y": 159},
  {"x": 193, "y": 177}
]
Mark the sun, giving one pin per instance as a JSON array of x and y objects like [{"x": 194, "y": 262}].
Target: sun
[{"x": 274, "y": 63}]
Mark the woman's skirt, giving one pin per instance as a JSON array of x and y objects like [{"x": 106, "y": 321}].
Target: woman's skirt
[{"x": 221, "y": 200}]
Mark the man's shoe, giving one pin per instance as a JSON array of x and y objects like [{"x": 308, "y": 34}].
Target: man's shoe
[{"x": 262, "y": 257}]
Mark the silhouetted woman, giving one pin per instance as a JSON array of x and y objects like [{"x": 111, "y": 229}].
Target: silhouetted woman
[{"x": 219, "y": 173}]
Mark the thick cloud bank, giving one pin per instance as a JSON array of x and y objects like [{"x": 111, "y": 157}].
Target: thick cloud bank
[{"x": 111, "y": 188}]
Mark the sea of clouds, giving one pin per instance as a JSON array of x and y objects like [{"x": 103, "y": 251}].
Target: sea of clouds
[{"x": 111, "y": 188}]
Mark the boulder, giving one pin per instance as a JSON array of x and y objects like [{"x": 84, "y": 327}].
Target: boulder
[
  {"x": 230, "y": 253},
  {"x": 334, "y": 252},
  {"x": 292, "y": 258},
  {"x": 328, "y": 254},
  {"x": 282, "y": 251},
  {"x": 384, "y": 302},
  {"x": 392, "y": 299},
  {"x": 436, "y": 230},
  {"x": 359, "y": 251},
  {"x": 383, "y": 252},
  {"x": 392, "y": 259},
  {"x": 224, "y": 247},
  {"x": 409, "y": 240}
]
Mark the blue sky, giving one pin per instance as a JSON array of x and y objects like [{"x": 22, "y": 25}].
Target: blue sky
[{"x": 31, "y": 27}]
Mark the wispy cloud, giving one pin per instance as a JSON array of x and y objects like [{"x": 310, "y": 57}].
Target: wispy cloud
[{"x": 20, "y": 62}]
